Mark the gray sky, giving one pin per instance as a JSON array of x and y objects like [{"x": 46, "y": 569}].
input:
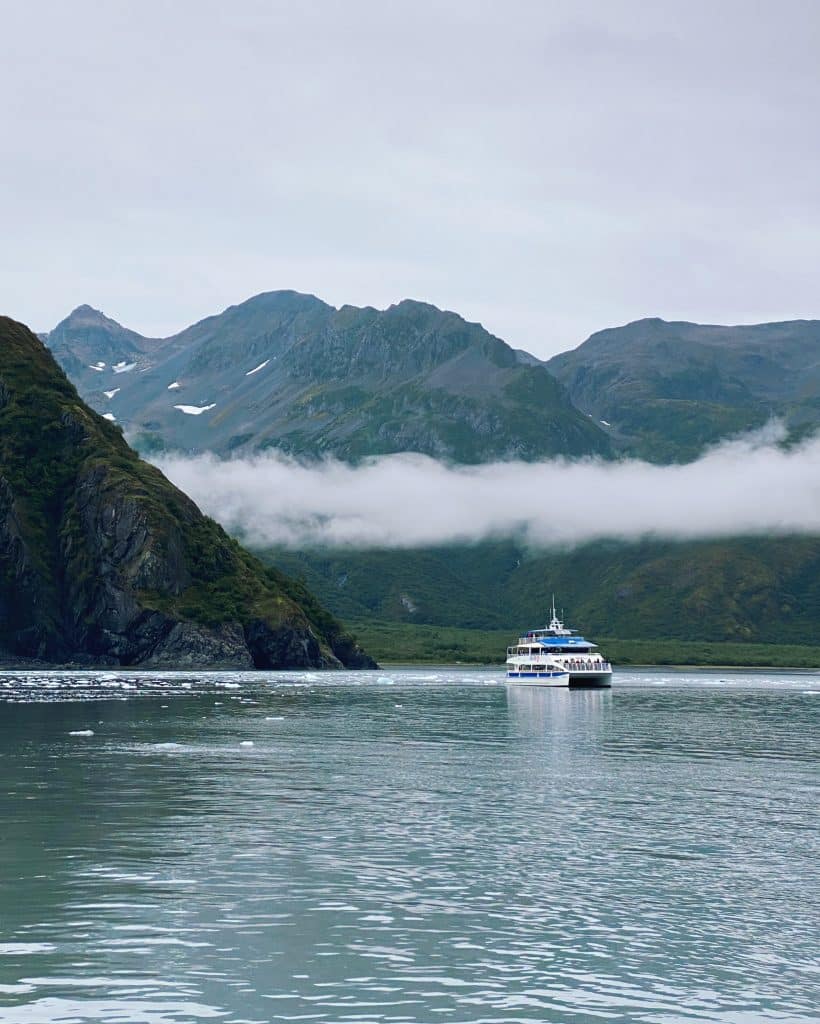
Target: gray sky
[{"x": 546, "y": 168}]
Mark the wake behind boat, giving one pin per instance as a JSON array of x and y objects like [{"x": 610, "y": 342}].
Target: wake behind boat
[{"x": 557, "y": 656}]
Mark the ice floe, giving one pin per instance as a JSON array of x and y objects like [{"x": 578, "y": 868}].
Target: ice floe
[
  {"x": 109, "y": 416},
  {"x": 110, "y": 394},
  {"x": 195, "y": 410},
  {"x": 256, "y": 369},
  {"x": 174, "y": 385}
]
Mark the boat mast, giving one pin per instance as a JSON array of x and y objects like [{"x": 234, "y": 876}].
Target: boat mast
[{"x": 556, "y": 626}]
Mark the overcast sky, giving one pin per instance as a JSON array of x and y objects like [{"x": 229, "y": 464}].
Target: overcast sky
[{"x": 546, "y": 168}]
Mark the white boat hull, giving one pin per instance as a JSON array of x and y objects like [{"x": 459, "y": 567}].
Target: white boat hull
[{"x": 538, "y": 678}]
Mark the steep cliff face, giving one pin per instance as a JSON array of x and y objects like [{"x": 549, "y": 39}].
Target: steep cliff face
[{"x": 103, "y": 561}]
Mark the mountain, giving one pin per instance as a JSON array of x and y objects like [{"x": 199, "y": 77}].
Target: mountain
[
  {"x": 358, "y": 381},
  {"x": 103, "y": 561},
  {"x": 287, "y": 371},
  {"x": 744, "y": 589},
  {"x": 666, "y": 390}
]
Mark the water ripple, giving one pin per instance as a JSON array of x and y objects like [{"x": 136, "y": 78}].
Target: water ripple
[{"x": 422, "y": 845}]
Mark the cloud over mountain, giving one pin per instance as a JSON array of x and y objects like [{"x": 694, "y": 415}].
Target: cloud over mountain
[{"x": 750, "y": 485}]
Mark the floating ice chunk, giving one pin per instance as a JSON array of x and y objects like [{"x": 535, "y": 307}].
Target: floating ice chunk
[
  {"x": 82, "y": 732},
  {"x": 110, "y": 394},
  {"x": 256, "y": 369},
  {"x": 195, "y": 410},
  {"x": 174, "y": 385},
  {"x": 123, "y": 367},
  {"x": 246, "y": 743},
  {"x": 109, "y": 416}
]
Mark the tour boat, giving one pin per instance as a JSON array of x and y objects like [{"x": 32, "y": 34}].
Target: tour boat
[{"x": 556, "y": 656}]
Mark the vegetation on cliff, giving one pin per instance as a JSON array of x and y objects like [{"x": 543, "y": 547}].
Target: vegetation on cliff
[
  {"x": 741, "y": 590},
  {"x": 103, "y": 560}
]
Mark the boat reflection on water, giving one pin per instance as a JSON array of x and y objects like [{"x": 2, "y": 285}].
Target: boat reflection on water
[{"x": 556, "y": 714}]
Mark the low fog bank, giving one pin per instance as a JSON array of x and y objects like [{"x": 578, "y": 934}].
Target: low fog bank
[{"x": 744, "y": 486}]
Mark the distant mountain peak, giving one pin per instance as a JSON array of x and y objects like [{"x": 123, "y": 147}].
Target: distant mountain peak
[
  {"x": 282, "y": 298},
  {"x": 93, "y": 323},
  {"x": 88, "y": 315},
  {"x": 415, "y": 304}
]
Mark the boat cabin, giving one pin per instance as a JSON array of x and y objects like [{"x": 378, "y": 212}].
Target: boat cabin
[{"x": 557, "y": 639}]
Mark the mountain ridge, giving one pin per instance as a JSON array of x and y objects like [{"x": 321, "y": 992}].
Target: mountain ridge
[
  {"x": 287, "y": 370},
  {"x": 356, "y": 381},
  {"x": 671, "y": 388}
]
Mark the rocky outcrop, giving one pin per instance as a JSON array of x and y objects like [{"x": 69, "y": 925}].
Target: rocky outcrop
[
  {"x": 270, "y": 648},
  {"x": 350, "y": 654},
  {"x": 188, "y": 645},
  {"x": 103, "y": 561}
]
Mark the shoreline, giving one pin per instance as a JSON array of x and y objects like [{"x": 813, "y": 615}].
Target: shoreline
[{"x": 404, "y": 643}]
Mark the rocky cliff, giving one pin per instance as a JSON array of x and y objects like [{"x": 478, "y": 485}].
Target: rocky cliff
[{"x": 103, "y": 561}]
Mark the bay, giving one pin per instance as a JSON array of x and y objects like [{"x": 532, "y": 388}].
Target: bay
[{"x": 408, "y": 846}]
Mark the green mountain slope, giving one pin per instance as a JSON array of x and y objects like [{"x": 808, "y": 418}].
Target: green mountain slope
[
  {"x": 668, "y": 389},
  {"x": 102, "y": 560},
  {"x": 745, "y": 589},
  {"x": 287, "y": 371}
]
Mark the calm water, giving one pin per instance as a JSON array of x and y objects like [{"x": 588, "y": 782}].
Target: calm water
[{"x": 410, "y": 846}]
